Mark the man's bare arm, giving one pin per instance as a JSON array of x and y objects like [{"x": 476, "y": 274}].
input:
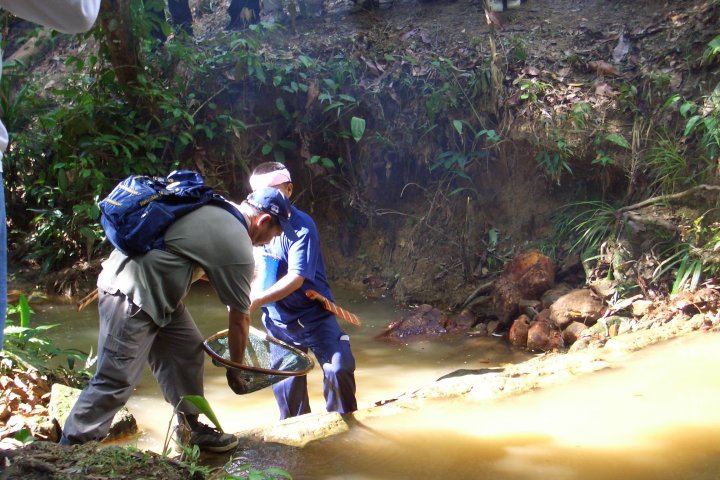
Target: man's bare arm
[
  {"x": 281, "y": 289},
  {"x": 238, "y": 328}
]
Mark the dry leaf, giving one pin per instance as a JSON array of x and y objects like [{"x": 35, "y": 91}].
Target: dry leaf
[
  {"x": 605, "y": 90},
  {"x": 604, "y": 68},
  {"x": 513, "y": 99},
  {"x": 374, "y": 68},
  {"x": 493, "y": 18},
  {"x": 532, "y": 71}
]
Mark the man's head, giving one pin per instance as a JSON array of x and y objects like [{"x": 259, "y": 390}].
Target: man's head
[
  {"x": 269, "y": 213},
  {"x": 272, "y": 174}
]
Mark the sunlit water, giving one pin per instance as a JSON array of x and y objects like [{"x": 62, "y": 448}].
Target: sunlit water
[{"x": 652, "y": 416}]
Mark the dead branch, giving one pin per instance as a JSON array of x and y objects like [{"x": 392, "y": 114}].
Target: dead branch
[
  {"x": 483, "y": 288},
  {"x": 669, "y": 198}
]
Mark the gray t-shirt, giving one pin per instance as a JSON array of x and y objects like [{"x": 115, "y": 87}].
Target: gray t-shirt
[{"x": 157, "y": 281}]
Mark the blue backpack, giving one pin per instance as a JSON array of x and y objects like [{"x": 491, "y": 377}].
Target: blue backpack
[{"x": 138, "y": 211}]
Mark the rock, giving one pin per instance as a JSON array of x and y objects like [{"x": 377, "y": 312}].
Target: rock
[
  {"x": 578, "y": 305},
  {"x": 505, "y": 299},
  {"x": 640, "y": 308},
  {"x": 493, "y": 326},
  {"x": 530, "y": 307},
  {"x": 603, "y": 287},
  {"x": 518, "y": 334},
  {"x": 544, "y": 337},
  {"x": 461, "y": 322},
  {"x": 526, "y": 276},
  {"x": 479, "y": 330},
  {"x": 551, "y": 296},
  {"x": 572, "y": 332},
  {"x": 299, "y": 431},
  {"x": 533, "y": 272},
  {"x": 62, "y": 399},
  {"x": 703, "y": 300},
  {"x": 543, "y": 316},
  {"x": 605, "y": 328},
  {"x": 424, "y": 320}
]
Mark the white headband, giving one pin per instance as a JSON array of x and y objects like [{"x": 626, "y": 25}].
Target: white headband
[{"x": 269, "y": 179}]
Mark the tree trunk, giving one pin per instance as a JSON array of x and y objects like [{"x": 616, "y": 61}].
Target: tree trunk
[{"x": 123, "y": 45}]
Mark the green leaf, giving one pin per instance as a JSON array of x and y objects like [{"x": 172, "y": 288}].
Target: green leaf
[
  {"x": 671, "y": 101},
  {"x": 277, "y": 472},
  {"x": 204, "y": 407},
  {"x": 458, "y": 126},
  {"x": 617, "y": 139},
  {"x": 280, "y": 105},
  {"x": 687, "y": 108},
  {"x": 690, "y": 126},
  {"x": 357, "y": 127},
  {"x": 306, "y": 61},
  {"x": 493, "y": 238},
  {"x": 24, "y": 311},
  {"x": 267, "y": 148}
]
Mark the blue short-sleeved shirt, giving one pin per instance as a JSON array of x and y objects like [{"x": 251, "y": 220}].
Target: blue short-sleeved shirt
[{"x": 302, "y": 257}]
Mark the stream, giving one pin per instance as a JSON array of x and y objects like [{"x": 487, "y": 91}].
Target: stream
[{"x": 651, "y": 416}]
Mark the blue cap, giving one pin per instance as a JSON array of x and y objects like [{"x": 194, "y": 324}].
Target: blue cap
[{"x": 271, "y": 200}]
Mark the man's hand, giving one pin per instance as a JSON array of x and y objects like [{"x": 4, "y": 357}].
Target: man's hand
[{"x": 235, "y": 381}]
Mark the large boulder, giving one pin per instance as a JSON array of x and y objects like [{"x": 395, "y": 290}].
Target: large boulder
[
  {"x": 532, "y": 272},
  {"x": 526, "y": 276}
]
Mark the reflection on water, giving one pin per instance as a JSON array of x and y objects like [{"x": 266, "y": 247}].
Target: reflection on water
[{"x": 652, "y": 417}]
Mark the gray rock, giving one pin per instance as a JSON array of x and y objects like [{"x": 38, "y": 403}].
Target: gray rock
[{"x": 62, "y": 399}]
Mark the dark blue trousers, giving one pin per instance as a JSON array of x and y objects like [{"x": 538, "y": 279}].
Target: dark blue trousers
[
  {"x": 179, "y": 11},
  {"x": 331, "y": 347}
]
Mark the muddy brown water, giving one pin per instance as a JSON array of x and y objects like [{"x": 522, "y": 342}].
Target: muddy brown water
[
  {"x": 654, "y": 415},
  {"x": 385, "y": 369}
]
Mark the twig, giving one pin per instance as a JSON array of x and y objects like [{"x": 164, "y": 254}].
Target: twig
[{"x": 87, "y": 300}]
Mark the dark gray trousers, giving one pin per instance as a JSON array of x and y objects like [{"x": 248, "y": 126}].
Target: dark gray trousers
[{"x": 128, "y": 339}]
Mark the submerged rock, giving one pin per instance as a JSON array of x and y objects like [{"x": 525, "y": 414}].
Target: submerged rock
[{"x": 424, "y": 320}]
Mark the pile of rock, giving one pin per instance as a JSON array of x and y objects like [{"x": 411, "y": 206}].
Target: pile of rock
[{"x": 526, "y": 305}]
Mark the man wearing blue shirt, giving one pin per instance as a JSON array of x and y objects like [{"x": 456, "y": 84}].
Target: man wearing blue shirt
[{"x": 290, "y": 316}]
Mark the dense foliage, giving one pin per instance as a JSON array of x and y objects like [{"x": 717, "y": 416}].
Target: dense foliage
[{"x": 367, "y": 119}]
